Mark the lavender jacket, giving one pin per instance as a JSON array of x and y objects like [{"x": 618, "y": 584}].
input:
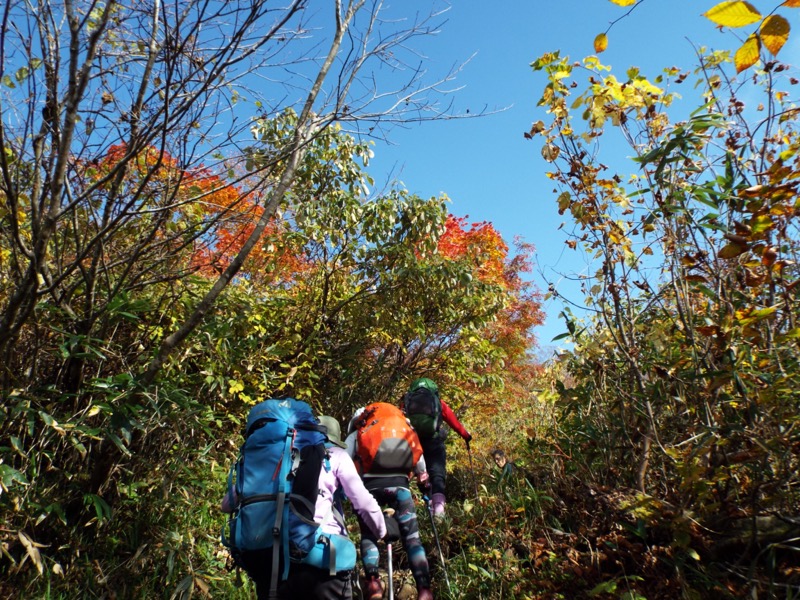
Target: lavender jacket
[{"x": 343, "y": 473}]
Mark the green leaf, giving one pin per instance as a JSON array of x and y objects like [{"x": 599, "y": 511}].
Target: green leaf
[
  {"x": 9, "y": 476},
  {"x": 761, "y": 223},
  {"x": 606, "y": 587},
  {"x": 101, "y": 508}
]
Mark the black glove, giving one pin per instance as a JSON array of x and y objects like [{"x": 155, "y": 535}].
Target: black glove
[
  {"x": 392, "y": 530},
  {"x": 468, "y": 439}
]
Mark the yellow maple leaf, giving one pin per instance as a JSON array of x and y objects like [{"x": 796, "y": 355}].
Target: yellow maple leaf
[
  {"x": 600, "y": 42},
  {"x": 748, "y": 54},
  {"x": 774, "y": 32},
  {"x": 623, "y": 2},
  {"x": 734, "y": 13}
]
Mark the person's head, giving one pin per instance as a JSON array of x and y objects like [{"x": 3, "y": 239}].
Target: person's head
[
  {"x": 499, "y": 457},
  {"x": 351, "y": 426},
  {"x": 334, "y": 430},
  {"x": 424, "y": 382}
]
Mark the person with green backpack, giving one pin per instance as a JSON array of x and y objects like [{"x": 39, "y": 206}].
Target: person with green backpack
[{"x": 426, "y": 411}]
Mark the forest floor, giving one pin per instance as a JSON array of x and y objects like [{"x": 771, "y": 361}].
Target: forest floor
[{"x": 608, "y": 543}]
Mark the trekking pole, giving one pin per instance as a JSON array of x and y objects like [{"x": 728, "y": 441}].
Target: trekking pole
[
  {"x": 472, "y": 469},
  {"x": 438, "y": 545},
  {"x": 389, "y": 512}
]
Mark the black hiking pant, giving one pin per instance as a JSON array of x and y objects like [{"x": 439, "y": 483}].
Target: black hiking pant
[
  {"x": 435, "y": 461},
  {"x": 304, "y": 582},
  {"x": 317, "y": 584}
]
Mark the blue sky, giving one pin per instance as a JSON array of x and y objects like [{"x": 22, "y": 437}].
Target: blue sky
[{"x": 485, "y": 166}]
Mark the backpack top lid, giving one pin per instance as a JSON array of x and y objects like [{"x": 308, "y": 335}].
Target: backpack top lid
[
  {"x": 424, "y": 382},
  {"x": 294, "y": 412}
]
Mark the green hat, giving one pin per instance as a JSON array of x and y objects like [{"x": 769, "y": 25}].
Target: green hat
[
  {"x": 334, "y": 430},
  {"x": 424, "y": 382}
]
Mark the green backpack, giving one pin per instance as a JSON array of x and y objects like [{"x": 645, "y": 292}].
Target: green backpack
[{"x": 423, "y": 408}]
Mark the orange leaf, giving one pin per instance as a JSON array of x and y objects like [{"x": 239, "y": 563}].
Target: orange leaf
[
  {"x": 774, "y": 32},
  {"x": 768, "y": 256},
  {"x": 748, "y": 54},
  {"x": 792, "y": 3},
  {"x": 708, "y": 330},
  {"x": 600, "y": 43},
  {"x": 733, "y": 14}
]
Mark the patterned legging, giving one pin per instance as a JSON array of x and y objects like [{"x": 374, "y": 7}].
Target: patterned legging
[{"x": 400, "y": 499}]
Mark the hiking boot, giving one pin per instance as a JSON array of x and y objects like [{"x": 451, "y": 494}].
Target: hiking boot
[
  {"x": 424, "y": 594},
  {"x": 374, "y": 589},
  {"x": 437, "y": 506}
]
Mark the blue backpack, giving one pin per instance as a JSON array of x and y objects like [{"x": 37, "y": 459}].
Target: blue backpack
[{"x": 274, "y": 486}]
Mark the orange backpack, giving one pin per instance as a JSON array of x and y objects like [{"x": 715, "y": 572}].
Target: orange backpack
[{"x": 385, "y": 443}]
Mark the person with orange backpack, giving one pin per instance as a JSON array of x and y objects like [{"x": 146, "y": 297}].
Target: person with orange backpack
[
  {"x": 426, "y": 411},
  {"x": 387, "y": 451}
]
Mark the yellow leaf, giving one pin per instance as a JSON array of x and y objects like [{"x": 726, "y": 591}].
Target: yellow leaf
[
  {"x": 600, "y": 43},
  {"x": 32, "y": 548},
  {"x": 623, "y": 2},
  {"x": 733, "y": 14},
  {"x": 731, "y": 251},
  {"x": 747, "y": 55},
  {"x": 774, "y": 32},
  {"x": 550, "y": 152}
]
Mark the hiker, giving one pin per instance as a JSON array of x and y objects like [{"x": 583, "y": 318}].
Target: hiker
[
  {"x": 328, "y": 560},
  {"x": 426, "y": 411},
  {"x": 387, "y": 451},
  {"x": 507, "y": 468},
  {"x": 338, "y": 479}
]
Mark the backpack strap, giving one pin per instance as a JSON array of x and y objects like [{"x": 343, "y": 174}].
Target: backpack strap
[
  {"x": 281, "y": 516},
  {"x": 332, "y": 553},
  {"x": 325, "y": 538},
  {"x": 226, "y": 528}
]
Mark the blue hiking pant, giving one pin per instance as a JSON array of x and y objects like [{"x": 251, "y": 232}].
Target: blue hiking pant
[{"x": 400, "y": 499}]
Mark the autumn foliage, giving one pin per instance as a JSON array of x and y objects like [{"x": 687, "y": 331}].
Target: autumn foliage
[
  {"x": 771, "y": 34},
  {"x": 679, "y": 396}
]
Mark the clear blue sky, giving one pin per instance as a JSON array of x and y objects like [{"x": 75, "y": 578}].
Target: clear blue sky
[{"x": 485, "y": 166}]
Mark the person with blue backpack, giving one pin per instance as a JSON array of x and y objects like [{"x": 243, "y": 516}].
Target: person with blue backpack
[{"x": 283, "y": 529}]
